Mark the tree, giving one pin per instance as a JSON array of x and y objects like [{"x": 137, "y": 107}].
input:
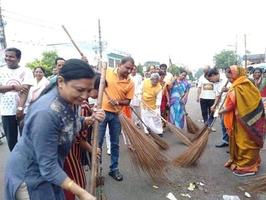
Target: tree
[
  {"x": 140, "y": 69},
  {"x": 225, "y": 59},
  {"x": 198, "y": 73},
  {"x": 47, "y": 62},
  {"x": 174, "y": 69}
]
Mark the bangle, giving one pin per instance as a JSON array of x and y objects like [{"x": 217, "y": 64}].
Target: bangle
[{"x": 69, "y": 184}]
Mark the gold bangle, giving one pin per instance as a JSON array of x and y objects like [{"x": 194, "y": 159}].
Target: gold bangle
[{"x": 69, "y": 184}]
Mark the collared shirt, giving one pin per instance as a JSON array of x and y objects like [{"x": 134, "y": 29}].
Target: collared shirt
[
  {"x": 117, "y": 90},
  {"x": 19, "y": 76}
]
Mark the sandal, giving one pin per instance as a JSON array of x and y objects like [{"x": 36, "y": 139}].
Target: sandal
[{"x": 116, "y": 175}]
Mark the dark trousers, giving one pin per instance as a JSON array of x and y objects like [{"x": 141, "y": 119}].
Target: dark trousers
[
  {"x": 225, "y": 135},
  {"x": 10, "y": 126},
  {"x": 113, "y": 122},
  {"x": 205, "y": 105}
]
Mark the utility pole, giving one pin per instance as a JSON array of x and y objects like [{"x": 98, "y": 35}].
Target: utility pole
[
  {"x": 245, "y": 44},
  {"x": 236, "y": 51},
  {"x": 2, "y": 31}
]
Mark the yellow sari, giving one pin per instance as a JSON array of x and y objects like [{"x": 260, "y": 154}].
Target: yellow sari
[{"x": 244, "y": 100}]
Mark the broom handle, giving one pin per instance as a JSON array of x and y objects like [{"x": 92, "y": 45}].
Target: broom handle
[
  {"x": 139, "y": 118},
  {"x": 94, "y": 163},
  {"x": 72, "y": 41},
  {"x": 220, "y": 96},
  {"x": 218, "y": 111}
]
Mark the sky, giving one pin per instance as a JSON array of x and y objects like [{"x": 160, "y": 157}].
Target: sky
[{"x": 190, "y": 32}]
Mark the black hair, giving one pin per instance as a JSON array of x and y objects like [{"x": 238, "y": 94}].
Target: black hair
[
  {"x": 39, "y": 67},
  {"x": 212, "y": 72},
  {"x": 17, "y": 51},
  {"x": 59, "y": 58},
  {"x": 74, "y": 69},
  {"x": 127, "y": 59},
  {"x": 163, "y": 65},
  {"x": 183, "y": 71},
  {"x": 258, "y": 69},
  {"x": 161, "y": 73}
]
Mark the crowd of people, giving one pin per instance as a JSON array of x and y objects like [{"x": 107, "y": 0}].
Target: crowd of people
[{"x": 54, "y": 116}]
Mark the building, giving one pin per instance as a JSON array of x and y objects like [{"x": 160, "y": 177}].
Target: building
[{"x": 114, "y": 58}]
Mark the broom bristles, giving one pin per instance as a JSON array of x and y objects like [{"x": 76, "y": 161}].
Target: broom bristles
[
  {"x": 145, "y": 154},
  {"x": 191, "y": 126},
  {"x": 179, "y": 133},
  {"x": 256, "y": 185},
  {"x": 159, "y": 141},
  {"x": 193, "y": 153}
]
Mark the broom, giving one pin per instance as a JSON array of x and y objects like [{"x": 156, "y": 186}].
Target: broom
[
  {"x": 144, "y": 153},
  {"x": 194, "y": 152},
  {"x": 178, "y": 132},
  {"x": 157, "y": 139},
  {"x": 96, "y": 178},
  {"x": 72, "y": 41},
  {"x": 256, "y": 185},
  {"x": 191, "y": 126}
]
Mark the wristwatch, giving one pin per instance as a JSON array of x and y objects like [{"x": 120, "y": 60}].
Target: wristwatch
[{"x": 20, "y": 108}]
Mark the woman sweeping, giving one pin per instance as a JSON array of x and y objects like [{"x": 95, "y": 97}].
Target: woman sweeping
[
  {"x": 34, "y": 169},
  {"x": 178, "y": 98},
  {"x": 244, "y": 119},
  {"x": 73, "y": 162}
]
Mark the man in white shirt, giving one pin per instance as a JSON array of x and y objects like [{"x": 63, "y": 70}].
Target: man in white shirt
[
  {"x": 221, "y": 86},
  {"x": 206, "y": 96},
  {"x": 15, "y": 82},
  {"x": 135, "y": 102}
]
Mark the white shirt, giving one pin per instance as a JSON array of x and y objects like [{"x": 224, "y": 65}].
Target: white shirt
[
  {"x": 137, "y": 79},
  {"x": 19, "y": 76},
  {"x": 207, "y": 88}
]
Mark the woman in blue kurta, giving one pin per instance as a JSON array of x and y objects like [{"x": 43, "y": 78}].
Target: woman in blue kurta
[
  {"x": 178, "y": 98},
  {"x": 34, "y": 169}
]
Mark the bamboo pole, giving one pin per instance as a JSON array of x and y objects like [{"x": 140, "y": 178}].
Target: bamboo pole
[
  {"x": 94, "y": 162},
  {"x": 72, "y": 41}
]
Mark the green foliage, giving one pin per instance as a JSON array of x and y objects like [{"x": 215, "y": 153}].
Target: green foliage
[
  {"x": 140, "y": 69},
  {"x": 199, "y": 73},
  {"x": 174, "y": 69},
  {"x": 225, "y": 59},
  {"x": 47, "y": 62}
]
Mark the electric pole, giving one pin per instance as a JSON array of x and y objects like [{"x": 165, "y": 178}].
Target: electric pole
[{"x": 2, "y": 31}]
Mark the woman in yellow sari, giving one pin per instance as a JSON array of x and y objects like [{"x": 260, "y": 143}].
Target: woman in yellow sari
[{"x": 244, "y": 119}]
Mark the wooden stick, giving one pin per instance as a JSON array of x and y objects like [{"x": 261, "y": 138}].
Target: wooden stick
[
  {"x": 72, "y": 41},
  {"x": 94, "y": 162}
]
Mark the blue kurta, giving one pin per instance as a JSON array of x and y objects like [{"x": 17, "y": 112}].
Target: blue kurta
[{"x": 37, "y": 159}]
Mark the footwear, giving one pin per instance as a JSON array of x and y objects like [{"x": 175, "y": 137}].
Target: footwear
[
  {"x": 108, "y": 152},
  {"x": 221, "y": 145},
  {"x": 161, "y": 135},
  {"x": 242, "y": 174},
  {"x": 116, "y": 175},
  {"x": 213, "y": 129}
]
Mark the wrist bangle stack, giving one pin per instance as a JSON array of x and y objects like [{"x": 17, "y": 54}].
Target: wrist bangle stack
[{"x": 69, "y": 184}]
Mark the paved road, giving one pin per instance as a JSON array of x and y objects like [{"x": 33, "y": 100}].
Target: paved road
[{"x": 210, "y": 171}]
